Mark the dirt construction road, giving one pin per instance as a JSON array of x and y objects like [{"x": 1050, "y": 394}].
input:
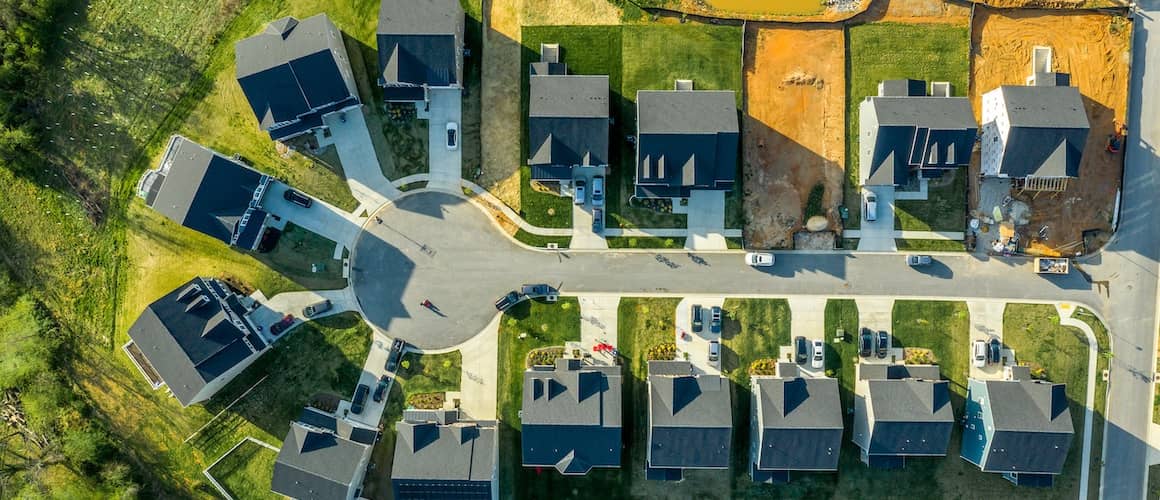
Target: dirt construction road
[{"x": 793, "y": 127}]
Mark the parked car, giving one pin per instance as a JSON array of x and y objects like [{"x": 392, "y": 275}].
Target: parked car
[
  {"x": 801, "y": 349},
  {"x": 819, "y": 360},
  {"x": 452, "y": 136},
  {"x": 598, "y": 191},
  {"x": 866, "y": 343},
  {"x": 316, "y": 308},
  {"x": 995, "y": 351},
  {"x": 759, "y": 259},
  {"x": 979, "y": 353},
  {"x": 579, "y": 195},
  {"x": 537, "y": 291},
  {"x": 297, "y": 198},
  {"x": 597, "y": 220},
  {"x": 918, "y": 260},
  {"x": 714, "y": 352},
  {"x": 698, "y": 318},
  {"x": 360, "y": 398},
  {"x": 870, "y": 207},
  {"x": 508, "y": 300},
  {"x": 715, "y": 320},
  {"x": 282, "y": 324},
  {"x": 381, "y": 389},
  {"x": 883, "y": 343},
  {"x": 396, "y": 354}
]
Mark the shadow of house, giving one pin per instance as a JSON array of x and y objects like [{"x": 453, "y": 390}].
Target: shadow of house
[
  {"x": 690, "y": 420},
  {"x": 323, "y": 457},
  {"x": 686, "y": 139},
  {"x": 194, "y": 340},
  {"x": 906, "y": 133},
  {"x": 293, "y": 73},
  {"x": 439, "y": 456},
  {"x": 571, "y": 417},
  {"x": 901, "y": 411},
  {"x": 1018, "y": 427},
  {"x": 796, "y": 425},
  {"x": 204, "y": 191},
  {"x": 420, "y": 47}
]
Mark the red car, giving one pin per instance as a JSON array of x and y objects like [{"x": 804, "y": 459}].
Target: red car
[{"x": 281, "y": 326}]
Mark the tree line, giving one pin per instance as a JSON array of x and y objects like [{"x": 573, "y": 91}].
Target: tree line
[{"x": 26, "y": 35}]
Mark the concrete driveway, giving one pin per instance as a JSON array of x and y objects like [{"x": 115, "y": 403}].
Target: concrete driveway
[
  {"x": 445, "y": 165},
  {"x": 321, "y": 218},
  {"x": 878, "y": 236},
  {"x": 987, "y": 323},
  {"x": 272, "y": 310},
  {"x": 598, "y": 325},
  {"x": 706, "y": 220},
  {"x": 480, "y": 373},
  {"x": 696, "y": 345},
  {"x": 364, "y": 176},
  {"x": 373, "y": 368}
]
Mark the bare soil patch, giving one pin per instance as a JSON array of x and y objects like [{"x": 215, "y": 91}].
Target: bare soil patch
[
  {"x": 793, "y": 127},
  {"x": 1094, "y": 49},
  {"x": 1054, "y": 4},
  {"x": 500, "y": 132},
  {"x": 791, "y": 12},
  {"x": 916, "y": 11}
]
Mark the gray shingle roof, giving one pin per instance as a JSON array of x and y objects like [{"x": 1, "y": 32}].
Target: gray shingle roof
[
  {"x": 420, "y": 42},
  {"x": 903, "y": 87},
  {"x": 571, "y": 417},
  {"x": 690, "y": 417},
  {"x": 800, "y": 423},
  {"x": 568, "y": 120},
  {"x": 1049, "y": 129},
  {"x": 425, "y": 449},
  {"x": 1032, "y": 426},
  {"x": 691, "y": 112},
  {"x": 190, "y": 338},
  {"x": 875, "y": 371},
  {"x": 686, "y": 139},
  {"x": 896, "y": 413},
  {"x": 314, "y": 464},
  {"x": 914, "y": 133}
]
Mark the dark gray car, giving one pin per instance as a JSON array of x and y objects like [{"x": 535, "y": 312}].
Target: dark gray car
[
  {"x": 801, "y": 350},
  {"x": 715, "y": 320},
  {"x": 359, "y": 399},
  {"x": 698, "y": 318}
]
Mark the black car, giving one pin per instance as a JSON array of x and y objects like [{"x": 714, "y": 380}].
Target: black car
[
  {"x": 597, "y": 220},
  {"x": 715, "y": 320},
  {"x": 994, "y": 351},
  {"x": 381, "y": 389},
  {"x": 801, "y": 349},
  {"x": 360, "y": 398},
  {"x": 883, "y": 341},
  {"x": 698, "y": 318},
  {"x": 396, "y": 354},
  {"x": 297, "y": 198},
  {"x": 510, "y": 299},
  {"x": 866, "y": 345}
]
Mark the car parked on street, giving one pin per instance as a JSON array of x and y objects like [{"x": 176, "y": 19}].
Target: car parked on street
[
  {"x": 698, "y": 318},
  {"x": 715, "y": 320},
  {"x": 801, "y": 350},
  {"x": 979, "y": 353},
  {"x": 883, "y": 343},
  {"x": 297, "y": 198},
  {"x": 381, "y": 389},
  {"x": 452, "y": 136},
  {"x": 995, "y": 351},
  {"x": 316, "y": 308},
  {"x": 715, "y": 352},
  {"x": 819, "y": 359},
  {"x": 508, "y": 300},
  {"x": 759, "y": 259},
  {"x": 597, "y": 220},
  {"x": 579, "y": 195},
  {"x": 282, "y": 324},
  {"x": 598, "y": 191},
  {"x": 866, "y": 343},
  {"x": 395, "y": 355},
  {"x": 918, "y": 260},
  {"x": 359, "y": 399},
  {"x": 870, "y": 207},
  {"x": 537, "y": 291}
]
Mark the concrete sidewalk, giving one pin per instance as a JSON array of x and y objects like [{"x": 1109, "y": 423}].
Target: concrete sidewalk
[{"x": 479, "y": 383}]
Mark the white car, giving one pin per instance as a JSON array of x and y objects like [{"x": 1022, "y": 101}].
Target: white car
[
  {"x": 598, "y": 191},
  {"x": 870, "y": 208},
  {"x": 979, "y": 353},
  {"x": 579, "y": 195},
  {"x": 452, "y": 136},
  {"x": 715, "y": 352},
  {"x": 759, "y": 259},
  {"x": 819, "y": 359}
]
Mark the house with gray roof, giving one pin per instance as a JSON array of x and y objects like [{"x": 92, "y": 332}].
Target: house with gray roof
[
  {"x": 1018, "y": 427},
  {"x": 570, "y": 417},
  {"x": 690, "y": 420},
  {"x": 207, "y": 192},
  {"x": 686, "y": 140},
  {"x": 1034, "y": 132},
  {"x": 905, "y": 133},
  {"x": 420, "y": 48},
  {"x": 567, "y": 119},
  {"x": 438, "y": 456},
  {"x": 195, "y": 339},
  {"x": 901, "y": 411},
  {"x": 293, "y": 73},
  {"x": 323, "y": 458},
  {"x": 795, "y": 425}
]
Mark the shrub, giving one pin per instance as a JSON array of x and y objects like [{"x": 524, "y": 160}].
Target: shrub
[
  {"x": 544, "y": 356},
  {"x": 426, "y": 400},
  {"x": 814, "y": 202},
  {"x": 764, "y": 366},
  {"x": 406, "y": 364},
  {"x": 663, "y": 352}
]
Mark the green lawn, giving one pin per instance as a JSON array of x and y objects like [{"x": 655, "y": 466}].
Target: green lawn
[
  {"x": 247, "y": 471},
  {"x": 843, "y": 356},
  {"x": 542, "y": 209},
  {"x": 884, "y": 51},
  {"x": 928, "y": 245},
  {"x": 421, "y": 373},
  {"x": 542, "y": 241},
  {"x": 644, "y": 242},
  {"x": 945, "y": 208},
  {"x": 298, "y": 252}
]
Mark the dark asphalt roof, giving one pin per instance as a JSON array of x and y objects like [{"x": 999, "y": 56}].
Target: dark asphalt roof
[
  {"x": 1032, "y": 426},
  {"x": 456, "y": 451},
  {"x": 293, "y": 68},
  {"x": 315, "y": 464},
  {"x": 203, "y": 190},
  {"x": 571, "y": 417},
  {"x": 916, "y": 132},
  {"x": 686, "y": 139},
  {"x": 904, "y": 417},
  {"x": 190, "y": 337},
  {"x": 690, "y": 416},
  {"x": 875, "y": 371},
  {"x": 903, "y": 87},
  {"x": 1049, "y": 128},
  {"x": 800, "y": 422},
  {"x": 568, "y": 96},
  {"x": 419, "y": 42},
  {"x": 691, "y": 112},
  {"x": 568, "y": 120}
]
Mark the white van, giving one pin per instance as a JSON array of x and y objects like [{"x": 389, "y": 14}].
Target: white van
[{"x": 871, "y": 208}]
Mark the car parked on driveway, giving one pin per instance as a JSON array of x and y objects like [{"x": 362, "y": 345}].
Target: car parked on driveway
[
  {"x": 316, "y": 308},
  {"x": 579, "y": 195},
  {"x": 995, "y": 350},
  {"x": 759, "y": 259},
  {"x": 598, "y": 191},
  {"x": 866, "y": 343},
  {"x": 508, "y": 300},
  {"x": 918, "y": 260},
  {"x": 297, "y": 198},
  {"x": 698, "y": 318},
  {"x": 359, "y": 399},
  {"x": 715, "y": 352},
  {"x": 396, "y": 354},
  {"x": 282, "y": 324},
  {"x": 801, "y": 350},
  {"x": 870, "y": 207},
  {"x": 381, "y": 389},
  {"x": 819, "y": 358},
  {"x": 883, "y": 343},
  {"x": 715, "y": 320},
  {"x": 597, "y": 220},
  {"x": 979, "y": 353},
  {"x": 452, "y": 136}
]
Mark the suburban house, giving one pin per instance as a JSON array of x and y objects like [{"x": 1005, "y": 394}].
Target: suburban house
[
  {"x": 690, "y": 420},
  {"x": 1018, "y": 427},
  {"x": 420, "y": 48},
  {"x": 570, "y": 417},
  {"x": 904, "y": 133},
  {"x": 795, "y": 424},
  {"x": 1034, "y": 134},
  {"x": 567, "y": 119},
  {"x": 437, "y": 455},
  {"x": 293, "y": 73},
  {"x": 207, "y": 192},
  {"x": 194, "y": 340},
  {"x": 901, "y": 411},
  {"x": 323, "y": 457},
  {"x": 686, "y": 140}
]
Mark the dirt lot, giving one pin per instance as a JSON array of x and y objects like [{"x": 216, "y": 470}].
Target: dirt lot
[
  {"x": 1054, "y": 4},
  {"x": 793, "y": 128},
  {"x": 916, "y": 11},
  {"x": 1093, "y": 48}
]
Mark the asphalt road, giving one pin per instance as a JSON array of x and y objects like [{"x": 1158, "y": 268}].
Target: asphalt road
[{"x": 1129, "y": 265}]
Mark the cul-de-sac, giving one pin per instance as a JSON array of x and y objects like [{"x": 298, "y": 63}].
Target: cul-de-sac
[{"x": 579, "y": 249}]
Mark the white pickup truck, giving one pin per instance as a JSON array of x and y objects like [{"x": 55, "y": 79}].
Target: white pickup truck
[{"x": 1048, "y": 265}]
